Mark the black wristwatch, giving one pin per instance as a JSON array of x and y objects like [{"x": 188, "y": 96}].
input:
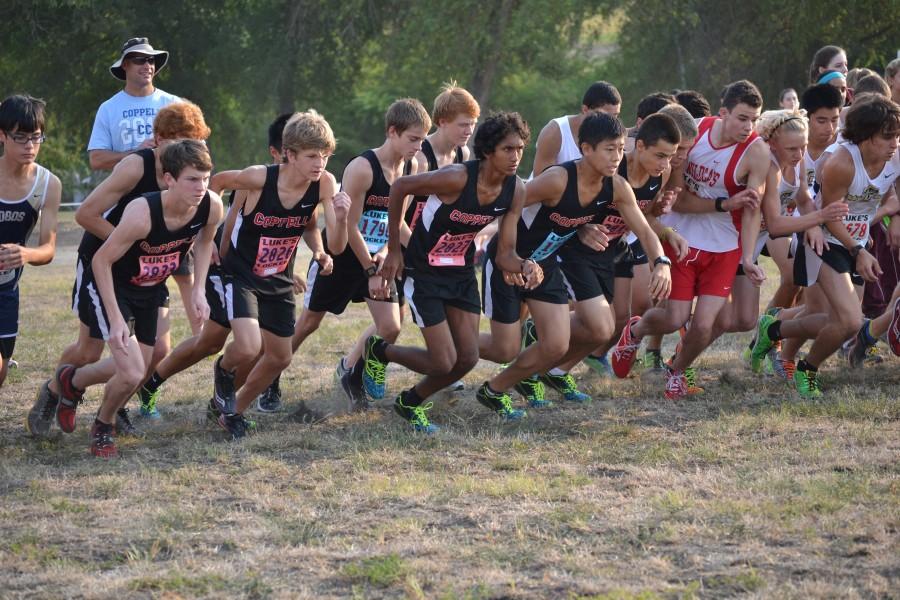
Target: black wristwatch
[
  {"x": 719, "y": 202},
  {"x": 855, "y": 250},
  {"x": 371, "y": 271},
  {"x": 662, "y": 260}
]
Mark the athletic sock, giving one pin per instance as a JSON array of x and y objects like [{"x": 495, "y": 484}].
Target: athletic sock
[
  {"x": 356, "y": 372},
  {"x": 774, "y": 331},
  {"x": 276, "y": 383},
  {"x": 805, "y": 366},
  {"x": 155, "y": 381},
  {"x": 867, "y": 335},
  {"x": 412, "y": 398},
  {"x": 558, "y": 372}
]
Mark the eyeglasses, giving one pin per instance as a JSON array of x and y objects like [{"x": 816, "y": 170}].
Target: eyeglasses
[
  {"x": 24, "y": 138},
  {"x": 140, "y": 60}
]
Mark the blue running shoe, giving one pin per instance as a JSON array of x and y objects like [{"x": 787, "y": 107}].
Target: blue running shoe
[
  {"x": 415, "y": 415},
  {"x": 373, "y": 369},
  {"x": 565, "y": 385},
  {"x": 499, "y": 403}
]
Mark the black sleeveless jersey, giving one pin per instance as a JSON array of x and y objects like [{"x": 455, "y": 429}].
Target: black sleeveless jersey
[
  {"x": 543, "y": 230},
  {"x": 418, "y": 202},
  {"x": 441, "y": 243},
  {"x": 90, "y": 243},
  {"x": 146, "y": 265},
  {"x": 217, "y": 237},
  {"x": 603, "y": 205},
  {"x": 17, "y": 220},
  {"x": 264, "y": 243},
  {"x": 647, "y": 192}
]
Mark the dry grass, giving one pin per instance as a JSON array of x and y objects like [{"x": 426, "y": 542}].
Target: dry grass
[{"x": 743, "y": 492}]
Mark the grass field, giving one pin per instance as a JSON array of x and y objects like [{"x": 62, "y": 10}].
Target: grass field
[{"x": 744, "y": 491}]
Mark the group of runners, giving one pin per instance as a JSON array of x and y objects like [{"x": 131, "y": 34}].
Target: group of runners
[{"x": 619, "y": 235}]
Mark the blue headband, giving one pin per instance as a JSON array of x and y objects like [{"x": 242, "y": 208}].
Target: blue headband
[{"x": 829, "y": 76}]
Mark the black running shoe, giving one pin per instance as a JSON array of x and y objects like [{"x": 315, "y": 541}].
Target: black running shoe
[
  {"x": 270, "y": 400},
  {"x": 235, "y": 425},
  {"x": 212, "y": 411},
  {"x": 40, "y": 417},
  {"x": 224, "y": 388},
  {"x": 356, "y": 395},
  {"x": 124, "y": 426}
]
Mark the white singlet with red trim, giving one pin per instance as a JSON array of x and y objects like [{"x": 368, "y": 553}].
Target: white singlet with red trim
[
  {"x": 710, "y": 173},
  {"x": 865, "y": 194}
]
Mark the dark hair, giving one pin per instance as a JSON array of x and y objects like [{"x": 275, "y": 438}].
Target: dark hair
[
  {"x": 823, "y": 95},
  {"x": 658, "y": 127},
  {"x": 784, "y": 93},
  {"x": 821, "y": 59},
  {"x": 276, "y": 130},
  {"x": 406, "y": 113},
  {"x": 872, "y": 84},
  {"x": 601, "y": 93},
  {"x": 651, "y": 103},
  {"x": 694, "y": 102},
  {"x": 741, "y": 92},
  {"x": 599, "y": 127},
  {"x": 179, "y": 155},
  {"x": 22, "y": 113},
  {"x": 496, "y": 127},
  {"x": 876, "y": 115}
]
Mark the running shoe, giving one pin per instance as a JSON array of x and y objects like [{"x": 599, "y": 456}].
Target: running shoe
[
  {"x": 873, "y": 356},
  {"x": 690, "y": 377},
  {"x": 236, "y": 425},
  {"x": 599, "y": 364},
  {"x": 499, "y": 403},
  {"x": 356, "y": 395},
  {"x": 373, "y": 369},
  {"x": 529, "y": 332},
  {"x": 653, "y": 362},
  {"x": 565, "y": 385},
  {"x": 270, "y": 400},
  {"x": 456, "y": 386},
  {"x": 532, "y": 389},
  {"x": 212, "y": 411},
  {"x": 69, "y": 398},
  {"x": 858, "y": 349},
  {"x": 625, "y": 350},
  {"x": 893, "y": 332},
  {"x": 149, "y": 399},
  {"x": 417, "y": 416},
  {"x": 676, "y": 385},
  {"x": 223, "y": 388},
  {"x": 40, "y": 417},
  {"x": 784, "y": 368},
  {"x": 124, "y": 426},
  {"x": 763, "y": 343},
  {"x": 339, "y": 370},
  {"x": 807, "y": 383},
  {"x": 103, "y": 440}
]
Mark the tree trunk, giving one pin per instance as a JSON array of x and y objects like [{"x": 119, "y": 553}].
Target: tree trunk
[{"x": 490, "y": 51}]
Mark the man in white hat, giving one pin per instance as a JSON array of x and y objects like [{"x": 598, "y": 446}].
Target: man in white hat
[{"x": 124, "y": 123}]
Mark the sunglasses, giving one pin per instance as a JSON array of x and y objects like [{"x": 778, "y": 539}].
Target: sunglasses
[
  {"x": 141, "y": 60},
  {"x": 24, "y": 138}
]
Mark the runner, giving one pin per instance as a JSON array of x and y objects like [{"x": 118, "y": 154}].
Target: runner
[
  {"x": 136, "y": 175},
  {"x": 556, "y": 143},
  {"x": 726, "y": 170},
  {"x": 835, "y": 79},
  {"x": 262, "y": 233},
  {"x": 28, "y": 192},
  {"x": 216, "y": 328},
  {"x": 649, "y": 104},
  {"x": 694, "y": 102},
  {"x": 356, "y": 277},
  {"x": 892, "y": 78},
  {"x": 788, "y": 99},
  {"x": 441, "y": 286},
  {"x": 129, "y": 272},
  {"x": 828, "y": 58},
  {"x": 647, "y": 170},
  {"x": 861, "y": 173},
  {"x": 556, "y": 207}
]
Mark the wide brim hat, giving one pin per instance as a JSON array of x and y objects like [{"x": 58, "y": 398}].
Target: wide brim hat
[{"x": 138, "y": 46}]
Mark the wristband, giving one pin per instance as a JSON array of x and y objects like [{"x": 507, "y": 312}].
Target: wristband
[
  {"x": 719, "y": 202},
  {"x": 371, "y": 271},
  {"x": 855, "y": 250},
  {"x": 662, "y": 260}
]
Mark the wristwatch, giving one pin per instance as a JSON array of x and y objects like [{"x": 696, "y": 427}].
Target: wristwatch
[
  {"x": 854, "y": 251},
  {"x": 662, "y": 260},
  {"x": 719, "y": 202},
  {"x": 371, "y": 271}
]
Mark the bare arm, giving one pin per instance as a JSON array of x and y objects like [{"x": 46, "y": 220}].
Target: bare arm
[
  {"x": 251, "y": 178},
  {"x": 516, "y": 271},
  {"x": 548, "y": 143},
  {"x": 660, "y": 279},
  {"x": 757, "y": 162},
  {"x": 335, "y": 207},
  {"x": 237, "y": 205},
  {"x": 105, "y": 160},
  {"x": 122, "y": 180},
  {"x": 203, "y": 246}
]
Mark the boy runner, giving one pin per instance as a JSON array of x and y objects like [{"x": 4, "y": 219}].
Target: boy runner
[
  {"x": 129, "y": 275},
  {"x": 28, "y": 192}
]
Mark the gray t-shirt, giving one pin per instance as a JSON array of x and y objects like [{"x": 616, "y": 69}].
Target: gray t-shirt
[{"x": 123, "y": 122}]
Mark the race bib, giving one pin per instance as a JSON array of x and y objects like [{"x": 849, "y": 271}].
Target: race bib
[
  {"x": 857, "y": 226},
  {"x": 615, "y": 226},
  {"x": 450, "y": 250},
  {"x": 155, "y": 269},
  {"x": 273, "y": 255},
  {"x": 550, "y": 245},
  {"x": 373, "y": 225}
]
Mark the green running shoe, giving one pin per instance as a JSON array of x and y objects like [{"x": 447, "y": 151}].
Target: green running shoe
[
  {"x": 807, "y": 383},
  {"x": 373, "y": 369},
  {"x": 499, "y": 403},
  {"x": 415, "y": 415},
  {"x": 599, "y": 364},
  {"x": 532, "y": 389},
  {"x": 149, "y": 399},
  {"x": 763, "y": 343},
  {"x": 565, "y": 385}
]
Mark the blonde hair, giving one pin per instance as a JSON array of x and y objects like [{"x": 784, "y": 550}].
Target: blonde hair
[
  {"x": 777, "y": 121},
  {"x": 857, "y": 73},
  {"x": 308, "y": 131},
  {"x": 452, "y": 102}
]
